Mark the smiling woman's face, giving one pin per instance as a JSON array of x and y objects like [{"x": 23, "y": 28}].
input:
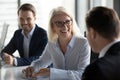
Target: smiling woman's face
[{"x": 62, "y": 25}]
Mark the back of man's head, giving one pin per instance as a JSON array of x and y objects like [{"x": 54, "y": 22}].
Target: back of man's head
[{"x": 105, "y": 21}]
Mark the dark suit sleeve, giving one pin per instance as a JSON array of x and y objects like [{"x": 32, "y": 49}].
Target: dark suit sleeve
[
  {"x": 93, "y": 72},
  {"x": 10, "y": 48},
  {"x": 37, "y": 46}
]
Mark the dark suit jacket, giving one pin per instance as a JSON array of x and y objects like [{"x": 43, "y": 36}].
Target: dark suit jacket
[
  {"x": 37, "y": 44},
  {"x": 105, "y": 68}
]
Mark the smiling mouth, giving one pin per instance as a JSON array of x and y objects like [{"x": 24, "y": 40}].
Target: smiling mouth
[{"x": 64, "y": 31}]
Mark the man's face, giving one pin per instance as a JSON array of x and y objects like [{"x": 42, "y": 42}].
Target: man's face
[{"x": 26, "y": 20}]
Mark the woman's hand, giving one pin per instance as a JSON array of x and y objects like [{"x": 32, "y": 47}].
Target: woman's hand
[
  {"x": 42, "y": 72},
  {"x": 29, "y": 71}
]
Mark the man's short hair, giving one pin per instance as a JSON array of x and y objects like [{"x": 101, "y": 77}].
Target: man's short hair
[
  {"x": 27, "y": 7},
  {"x": 105, "y": 21}
]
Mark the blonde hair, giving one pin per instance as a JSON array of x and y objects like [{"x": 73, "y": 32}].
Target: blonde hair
[{"x": 52, "y": 36}]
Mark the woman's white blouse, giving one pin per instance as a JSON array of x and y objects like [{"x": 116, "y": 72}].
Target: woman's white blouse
[{"x": 69, "y": 66}]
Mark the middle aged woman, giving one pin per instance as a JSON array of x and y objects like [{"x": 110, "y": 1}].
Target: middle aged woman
[{"x": 67, "y": 50}]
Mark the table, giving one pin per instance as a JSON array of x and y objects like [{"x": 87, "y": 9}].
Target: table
[{"x": 15, "y": 73}]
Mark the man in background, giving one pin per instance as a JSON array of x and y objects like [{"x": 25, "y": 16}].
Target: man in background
[{"x": 30, "y": 40}]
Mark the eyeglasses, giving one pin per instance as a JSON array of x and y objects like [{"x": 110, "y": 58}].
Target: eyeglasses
[{"x": 61, "y": 24}]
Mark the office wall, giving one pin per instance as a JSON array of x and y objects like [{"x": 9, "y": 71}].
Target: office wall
[{"x": 117, "y": 6}]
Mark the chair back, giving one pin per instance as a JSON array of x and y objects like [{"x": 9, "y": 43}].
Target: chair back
[{"x": 3, "y": 35}]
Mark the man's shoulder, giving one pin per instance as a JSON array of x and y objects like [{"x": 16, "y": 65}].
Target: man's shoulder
[
  {"x": 105, "y": 63},
  {"x": 40, "y": 28},
  {"x": 40, "y": 32},
  {"x": 18, "y": 31}
]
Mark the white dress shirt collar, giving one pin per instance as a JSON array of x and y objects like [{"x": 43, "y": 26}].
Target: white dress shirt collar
[
  {"x": 105, "y": 49},
  {"x": 71, "y": 43}
]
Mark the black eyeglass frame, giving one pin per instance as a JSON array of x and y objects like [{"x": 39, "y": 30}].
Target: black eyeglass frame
[{"x": 61, "y": 24}]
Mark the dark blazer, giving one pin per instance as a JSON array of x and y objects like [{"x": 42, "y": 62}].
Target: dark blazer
[
  {"x": 37, "y": 44},
  {"x": 105, "y": 68}
]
